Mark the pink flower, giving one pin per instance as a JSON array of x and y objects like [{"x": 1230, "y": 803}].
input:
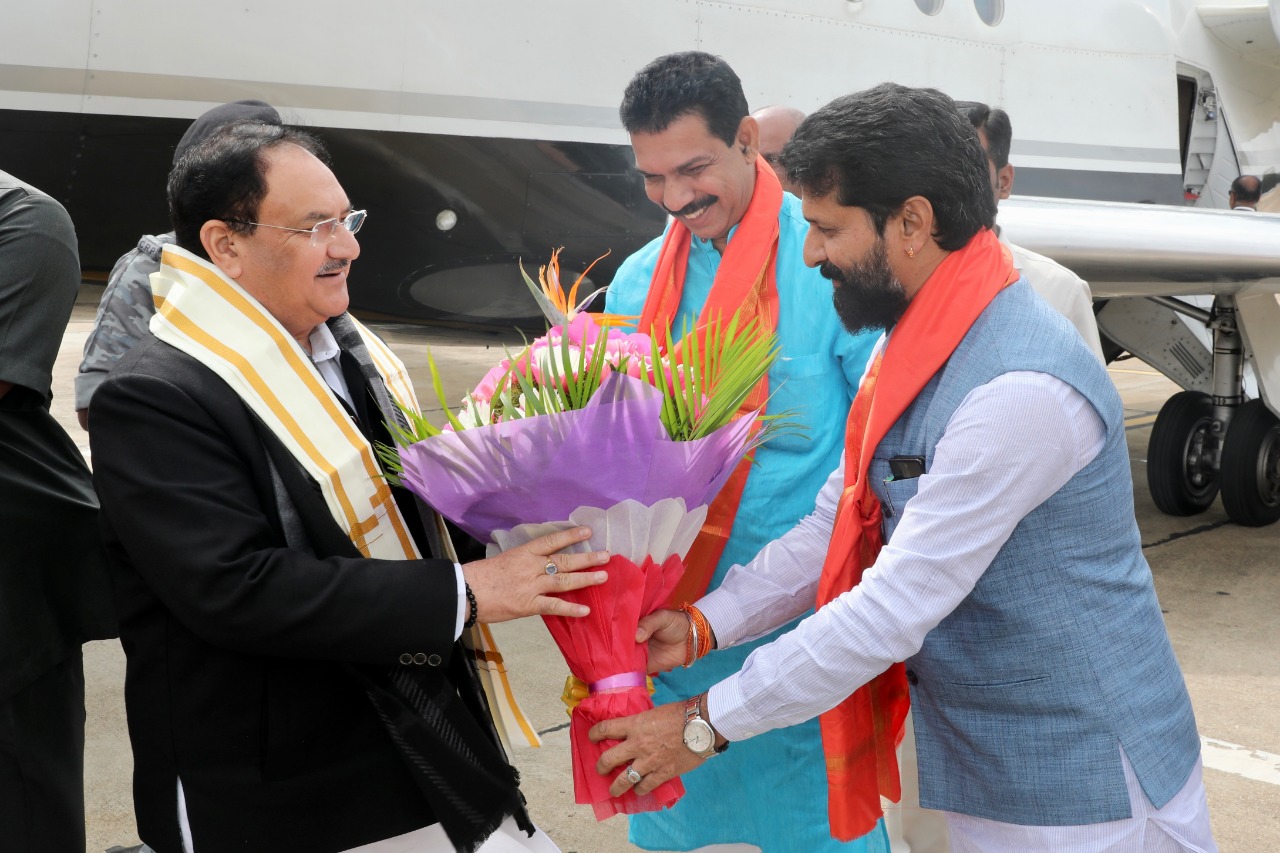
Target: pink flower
[
  {"x": 583, "y": 330},
  {"x": 489, "y": 385},
  {"x": 543, "y": 360}
]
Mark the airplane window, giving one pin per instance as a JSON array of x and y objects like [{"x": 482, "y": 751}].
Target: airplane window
[
  {"x": 990, "y": 11},
  {"x": 930, "y": 7}
]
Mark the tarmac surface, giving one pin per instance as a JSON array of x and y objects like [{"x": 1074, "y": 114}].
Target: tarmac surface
[{"x": 1219, "y": 586}]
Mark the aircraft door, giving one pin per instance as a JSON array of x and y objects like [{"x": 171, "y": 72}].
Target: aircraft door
[{"x": 1209, "y": 163}]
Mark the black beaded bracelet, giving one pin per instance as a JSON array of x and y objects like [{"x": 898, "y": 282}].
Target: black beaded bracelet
[{"x": 475, "y": 608}]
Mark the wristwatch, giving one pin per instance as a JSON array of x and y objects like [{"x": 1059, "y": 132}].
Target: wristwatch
[{"x": 699, "y": 737}]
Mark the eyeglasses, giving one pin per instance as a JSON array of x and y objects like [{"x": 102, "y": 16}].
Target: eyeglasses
[{"x": 322, "y": 232}]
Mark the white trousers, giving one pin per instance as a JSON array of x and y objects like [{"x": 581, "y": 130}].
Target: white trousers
[{"x": 913, "y": 829}]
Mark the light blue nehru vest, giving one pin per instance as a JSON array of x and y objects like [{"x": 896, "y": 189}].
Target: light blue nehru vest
[{"x": 1024, "y": 695}]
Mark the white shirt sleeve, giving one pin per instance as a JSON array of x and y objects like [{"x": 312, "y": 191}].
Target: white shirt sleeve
[
  {"x": 1008, "y": 447},
  {"x": 464, "y": 606},
  {"x": 781, "y": 582}
]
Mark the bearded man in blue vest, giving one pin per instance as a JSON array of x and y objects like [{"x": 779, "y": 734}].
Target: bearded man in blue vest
[{"x": 978, "y": 547}]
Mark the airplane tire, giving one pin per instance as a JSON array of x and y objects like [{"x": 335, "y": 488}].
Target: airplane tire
[
  {"x": 1250, "y": 474},
  {"x": 1179, "y": 467}
]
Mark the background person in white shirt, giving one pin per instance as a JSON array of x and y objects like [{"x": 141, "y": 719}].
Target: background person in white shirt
[
  {"x": 1246, "y": 191},
  {"x": 1067, "y": 292}
]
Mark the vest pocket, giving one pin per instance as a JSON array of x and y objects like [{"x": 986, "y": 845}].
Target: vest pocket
[
  {"x": 893, "y": 494},
  {"x": 1014, "y": 683}
]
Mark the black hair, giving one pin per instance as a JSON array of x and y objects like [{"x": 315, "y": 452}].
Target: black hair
[
  {"x": 224, "y": 177},
  {"x": 678, "y": 84},
  {"x": 1247, "y": 188},
  {"x": 877, "y": 148},
  {"x": 994, "y": 122}
]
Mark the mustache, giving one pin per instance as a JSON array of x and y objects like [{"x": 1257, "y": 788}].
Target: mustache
[
  {"x": 831, "y": 272},
  {"x": 335, "y": 265},
  {"x": 694, "y": 206}
]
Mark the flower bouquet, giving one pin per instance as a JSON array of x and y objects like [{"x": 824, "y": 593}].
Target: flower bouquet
[{"x": 592, "y": 426}]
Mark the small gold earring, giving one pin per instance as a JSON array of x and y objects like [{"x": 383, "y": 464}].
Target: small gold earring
[{"x": 911, "y": 252}]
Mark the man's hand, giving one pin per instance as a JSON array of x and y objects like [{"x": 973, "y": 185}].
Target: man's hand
[
  {"x": 666, "y": 632},
  {"x": 652, "y": 744},
  {"x": 82, "y": 415},
  {"x": 516, "y": 583}
]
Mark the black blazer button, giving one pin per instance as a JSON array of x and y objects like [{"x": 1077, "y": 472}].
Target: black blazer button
[
  {"x": 912, "y": 678},
  {"x": 434, "y": 660},
  {"x": 406, "y": 658},
  {"x": 420, "y": 658}
]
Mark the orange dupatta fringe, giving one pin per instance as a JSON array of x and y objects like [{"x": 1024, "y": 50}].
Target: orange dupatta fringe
[
  {"x": 861, "y": 734},
  {"x": 745, "y": 283}
]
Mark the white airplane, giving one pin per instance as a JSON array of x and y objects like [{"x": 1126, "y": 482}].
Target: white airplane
[{"x": 480, "y": 133}]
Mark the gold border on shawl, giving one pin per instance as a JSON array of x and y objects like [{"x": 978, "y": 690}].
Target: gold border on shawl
[
  {"x": 390, "y": 366},
  {"x": 530, "y": 735},
  {"x": 357, "y": 529}
]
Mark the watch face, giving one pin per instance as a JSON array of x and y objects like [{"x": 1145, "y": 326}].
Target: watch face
[{"x": 698, "y": 736}]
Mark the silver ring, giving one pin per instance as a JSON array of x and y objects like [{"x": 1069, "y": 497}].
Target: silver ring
[
  {"x": 632, "y": 775},
  {"x": 550, "y": 568}
]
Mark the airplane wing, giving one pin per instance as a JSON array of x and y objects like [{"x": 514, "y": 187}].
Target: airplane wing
[{"x": 1148, "y": 249}]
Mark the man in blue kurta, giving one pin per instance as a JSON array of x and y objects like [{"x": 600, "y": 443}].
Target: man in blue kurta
[{"x": 697, "y": 149}]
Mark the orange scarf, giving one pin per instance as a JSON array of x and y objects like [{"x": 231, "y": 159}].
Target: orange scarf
[
  {"x": 861, "y": 734},
  {"x": 745, "y": 282}
]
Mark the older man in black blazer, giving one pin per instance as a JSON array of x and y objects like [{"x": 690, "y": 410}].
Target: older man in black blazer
[{"x": 288, "y": 688}]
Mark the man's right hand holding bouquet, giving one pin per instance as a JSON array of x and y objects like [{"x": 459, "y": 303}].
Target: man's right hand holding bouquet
[{"x": 667, "y": 634}]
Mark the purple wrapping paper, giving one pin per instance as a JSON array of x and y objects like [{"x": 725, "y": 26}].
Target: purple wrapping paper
[{"x": 543, "y": 468}]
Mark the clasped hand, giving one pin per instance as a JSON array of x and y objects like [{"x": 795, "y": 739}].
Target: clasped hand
[
  {"x": 666, "y": 632},
  {"x": 521, "y": 582},
  {"x": 652, "y": 743}
]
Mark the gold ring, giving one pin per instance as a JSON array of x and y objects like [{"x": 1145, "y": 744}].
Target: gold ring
[{"x": 550, "y": 568}]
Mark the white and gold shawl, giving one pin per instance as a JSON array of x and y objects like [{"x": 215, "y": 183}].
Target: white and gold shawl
[{"x": 204, "y": 313}]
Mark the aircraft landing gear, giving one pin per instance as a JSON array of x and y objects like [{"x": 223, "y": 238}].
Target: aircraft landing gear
[
  {"x": 1182, "y": 456},
  {"x": 1250, "y": 470},
  {"x": 1203, "y": 445}
]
